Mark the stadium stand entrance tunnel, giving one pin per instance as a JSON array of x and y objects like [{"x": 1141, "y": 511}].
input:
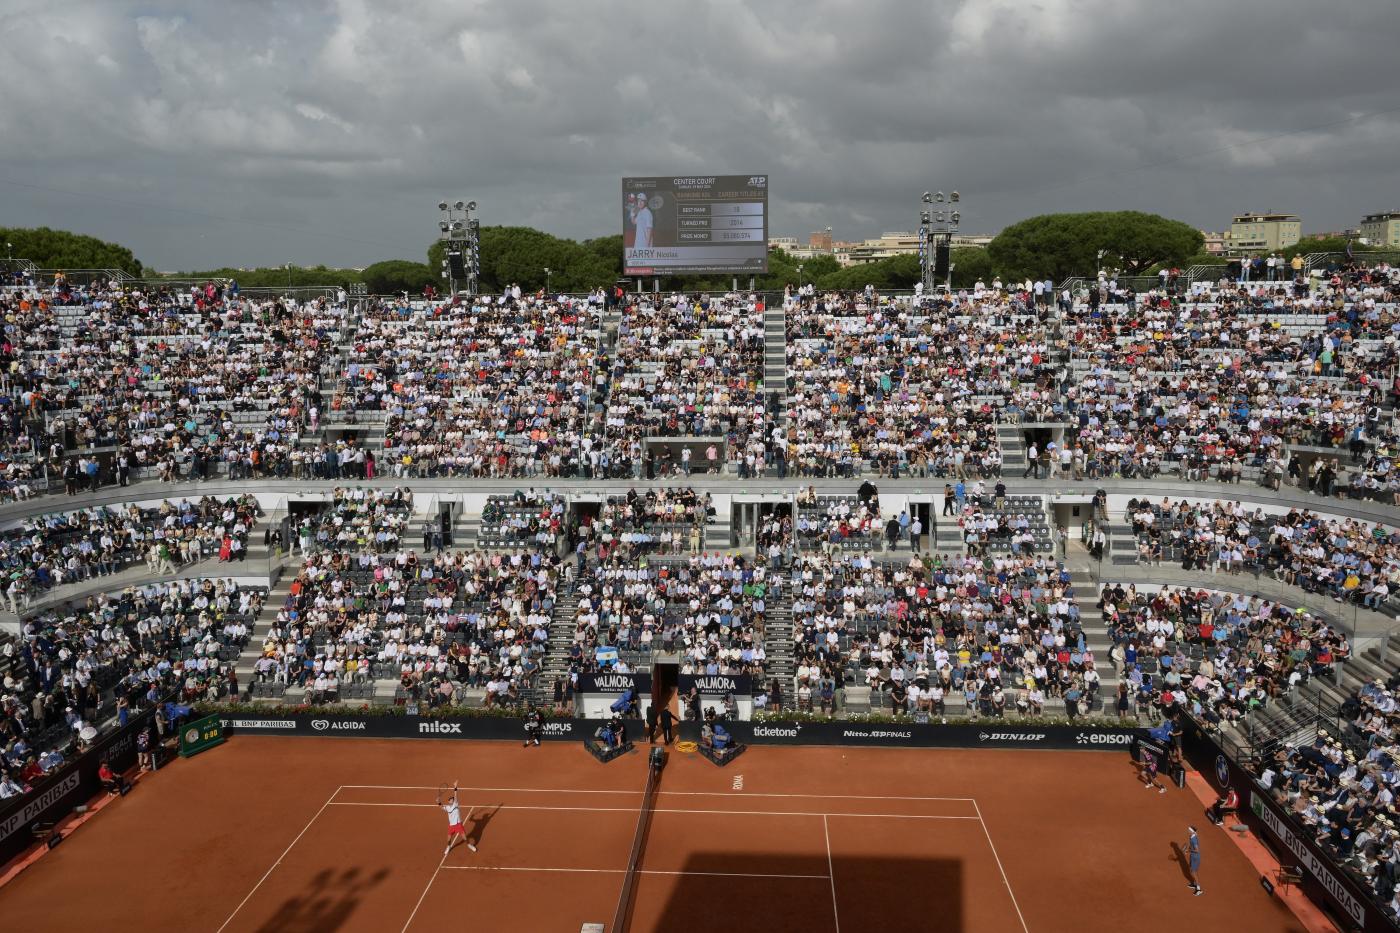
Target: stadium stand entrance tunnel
[
  {"x": 665, "y": 675},
  {"x": 584, "y": 511},
  {"x": 923, "y": 511},
  {"x": 746, "y": 515}
]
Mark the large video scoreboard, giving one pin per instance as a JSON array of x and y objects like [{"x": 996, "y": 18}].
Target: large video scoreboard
[{"x": 695, "y": 224}]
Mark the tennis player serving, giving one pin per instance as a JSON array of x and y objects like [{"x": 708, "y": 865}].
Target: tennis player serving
[{"x": 456, "y": 832}]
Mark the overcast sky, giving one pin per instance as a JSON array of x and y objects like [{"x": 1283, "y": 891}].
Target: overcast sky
[{"x": 245, "y": 133}]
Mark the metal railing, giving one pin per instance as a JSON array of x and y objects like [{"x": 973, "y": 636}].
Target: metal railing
[
  {"x": 80, "y": 276},
  {"x": 1207, "y": 273}
]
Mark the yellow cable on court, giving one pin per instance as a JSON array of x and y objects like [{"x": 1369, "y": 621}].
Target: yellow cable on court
[{"x": 687, "y": 747}]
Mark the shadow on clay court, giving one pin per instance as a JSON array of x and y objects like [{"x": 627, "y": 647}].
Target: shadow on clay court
[
  {"x": 1179, "y": 856},
  {"x": 478, "y": 824},
  {"x": 329, "y": 901},
  {"x": 872, "y": 892}
]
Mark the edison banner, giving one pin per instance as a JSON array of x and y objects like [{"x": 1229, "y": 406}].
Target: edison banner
[{"x": 695, "y": 224}]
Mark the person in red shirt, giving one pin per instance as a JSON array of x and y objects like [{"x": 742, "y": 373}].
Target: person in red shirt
[
  {"x": 1228, "y": 802},
  {"x": 30, "y": 772},
  {"x": 113, "y": 782}
]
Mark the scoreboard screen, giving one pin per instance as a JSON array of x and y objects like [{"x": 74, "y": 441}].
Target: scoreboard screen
[{"x": 695, "y": 224}]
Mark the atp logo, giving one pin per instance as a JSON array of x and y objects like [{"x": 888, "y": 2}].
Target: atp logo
[{"x": 1222, "y": 770}]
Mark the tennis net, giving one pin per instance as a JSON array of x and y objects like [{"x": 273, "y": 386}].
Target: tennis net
[{"x": 622, "y": 918}]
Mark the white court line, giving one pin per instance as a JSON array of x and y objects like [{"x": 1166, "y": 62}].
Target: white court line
[
  {"x": 279, "y": 860},
  {"x": 831, "y": 873},
  {"x": 425, "y": 892},
  {"x": 1001, "y": 868},
  {"x": 887, "y": 816},
  {"x": 640, "y": 871},
  {"x": 660, "y": 793}
]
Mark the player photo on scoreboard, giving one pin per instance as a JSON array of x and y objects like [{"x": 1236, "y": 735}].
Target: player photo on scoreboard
[{"x": 649, "y": 220}]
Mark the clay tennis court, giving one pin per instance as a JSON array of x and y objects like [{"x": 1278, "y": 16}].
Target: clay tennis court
[{"x": 278, "y": 835}]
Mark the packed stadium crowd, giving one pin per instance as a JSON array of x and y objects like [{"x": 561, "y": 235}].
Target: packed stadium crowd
[
  {"x": 685, "y": 366},
  {"x": 1218, "y": 655},
  {"x": 51, "y": 550},
  {"x": 1226, "y": 377},
  {"x": 1346, "y": 559},
  {"x": 664, "y": 521},
  {"x": 466, "y": 618},
  {"x": 1212, "y": 381},
  {"x": 710, "y": 608},
  {"x": 500, "y": 387},
  {"x": 358, "y": 519},
  {"x": 914, "y": 390},
  {"x": 1001, "y": 633},
  {"x": 78, "y": 669},
  {"x": 1340, "y": 788}
]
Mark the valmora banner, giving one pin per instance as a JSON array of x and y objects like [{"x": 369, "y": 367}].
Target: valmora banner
[
  {"x": 716, "y": 685},
  {"x": 613, "y": 683}
]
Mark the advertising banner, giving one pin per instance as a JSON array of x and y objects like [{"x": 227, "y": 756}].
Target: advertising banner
[
  {"x": 613, "y": 683},
  {"x": 915, "y": 735},
  {"x": 908, "y": 735},
  {"x": 398, "y": 727},
  {"x": 1323, "y": 879},
  {"x": 54, "y": 796},
  {"x": 716, "y": 685}
]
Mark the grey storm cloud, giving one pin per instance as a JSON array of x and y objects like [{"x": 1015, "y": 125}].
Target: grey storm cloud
[{"x": 256, "y": 132}]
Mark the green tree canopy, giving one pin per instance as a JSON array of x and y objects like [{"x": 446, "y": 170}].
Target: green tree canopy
[
  {"x": 519, "y": 256},
  {"x": 1063, "y": 245},
  {"x": 971, "y": 263},
  {"x": 59, "y": 249},
  {"x": 1331, "y": 244},
  {"x": 397, "y": 275},
  {"x": 279, "y": 276},
  {"x": 895, "y": 272}
]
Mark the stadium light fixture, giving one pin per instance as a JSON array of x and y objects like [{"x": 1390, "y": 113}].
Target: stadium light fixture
[
  {"x": 460, "y": 205},
  {"x": 953, "y": 197},
  {"x": 442, "y": 205},
  {"x": 442, "y": 225},
  {"x": 955, "y": 216},
  {"x": 928, "y": 198},
  {"x": 471, "y": 205},
  {"x": 938, "y": 197},
  {"x": 925, "y": 218}
]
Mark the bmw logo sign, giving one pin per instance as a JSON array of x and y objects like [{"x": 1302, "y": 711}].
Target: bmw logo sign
[{"x": 1222, "y": 770}]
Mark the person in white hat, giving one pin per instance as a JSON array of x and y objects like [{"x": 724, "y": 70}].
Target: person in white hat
[{"x": 641, "y": 223}]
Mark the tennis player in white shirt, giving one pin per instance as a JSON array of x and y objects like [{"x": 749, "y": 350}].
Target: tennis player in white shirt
[
  {"x": 456, "y": 831},
  {"x": 642, "y": 221}
]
